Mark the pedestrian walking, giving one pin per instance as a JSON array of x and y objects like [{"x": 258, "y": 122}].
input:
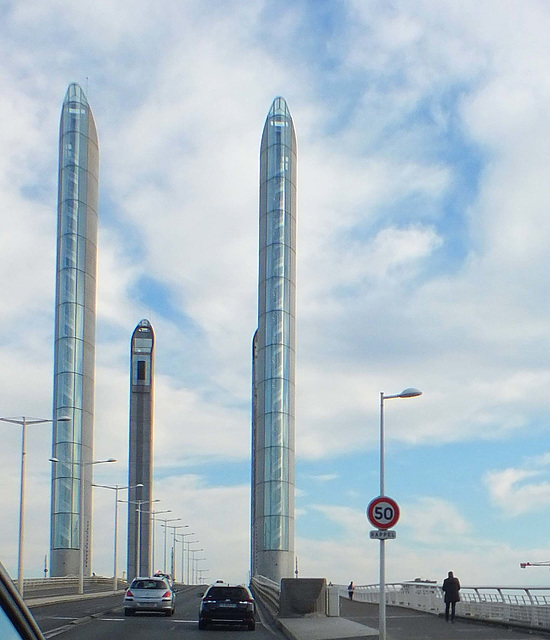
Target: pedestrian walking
[
  {"x": 451, "y": 587},
  {"x": 351, "y": 589}
]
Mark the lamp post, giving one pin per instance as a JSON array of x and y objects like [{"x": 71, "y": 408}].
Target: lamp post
[
  {"x": 407, "y": 393},
  {"x": 182, "y": 536},
  {"x": 196, "y": 567},
  {"x": 166, "y": 520},
  {"x": 189, "y": 543},
  {"x": 173, "y": 564},
  {"x": 200, "y": 572},
  {"x": 193, "y": 551},
  {"x": 138, "y": 565},
  {"x": 83, "y": 465},
  {"x": 139, "y": 511},
  {"x": 116, "y": 488},
  {"x": 153, "y": 520},
  {"x": 24, "y": 422}
]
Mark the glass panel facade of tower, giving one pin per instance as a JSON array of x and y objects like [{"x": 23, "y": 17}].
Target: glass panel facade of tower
[
  {"x": 74, "y": 322},
  {"x": 274, "y": 353}
]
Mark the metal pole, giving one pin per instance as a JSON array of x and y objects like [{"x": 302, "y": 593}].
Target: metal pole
[
  {"x": 382, "y": 599},
  {"x": 165, "y": 530},
  {"x": 382, "y": 444},
  {"x": 22, "y": 508},
  {"x": 81, "y": 567},
  {"x": 174, "y": 556},
  {"x": 153, "y": 541},
  {"x": 115, "y": 580},
  {"x": 182, "y": 552},
  {"x": 138, "y": 564}
]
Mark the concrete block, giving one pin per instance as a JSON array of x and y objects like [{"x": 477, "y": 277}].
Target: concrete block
[{"x": 302, "y": 597}]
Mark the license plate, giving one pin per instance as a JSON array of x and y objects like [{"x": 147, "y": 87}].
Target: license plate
[{"x": 228, "y": 605}]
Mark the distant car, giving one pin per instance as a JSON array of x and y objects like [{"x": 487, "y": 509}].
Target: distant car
[
  {"x": 150, "y": 594},
  {"x": 227, "y": 604},
  {"x": 166, "y": 576}
]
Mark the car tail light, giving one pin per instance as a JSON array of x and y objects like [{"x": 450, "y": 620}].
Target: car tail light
[
  {"x": 167, "y": 595},
  {"x": 129, "y": 594}
]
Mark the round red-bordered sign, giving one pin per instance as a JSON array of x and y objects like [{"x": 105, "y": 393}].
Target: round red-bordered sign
[{"x": 383, "y": 512}]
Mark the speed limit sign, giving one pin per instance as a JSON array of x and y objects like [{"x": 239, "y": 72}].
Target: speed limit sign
[{"x": 383, "y": 512}]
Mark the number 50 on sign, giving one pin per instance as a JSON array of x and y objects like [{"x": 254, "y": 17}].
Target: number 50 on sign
[{"x": 383, "y": 512}]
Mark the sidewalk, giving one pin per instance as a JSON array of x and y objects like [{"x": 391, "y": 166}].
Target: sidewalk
[{"x": 360, "y": 620}]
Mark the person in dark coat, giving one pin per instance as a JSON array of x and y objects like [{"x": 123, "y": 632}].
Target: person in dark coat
[
  {"x": 451, "y": 587},
  {"x": 351, "y": 589}
]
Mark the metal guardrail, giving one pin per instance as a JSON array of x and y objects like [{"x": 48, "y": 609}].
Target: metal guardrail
[
  {"x": 520, "y": 606},
  {"x": 268, "y": 592},
  {"x": 35, "y": 587}
]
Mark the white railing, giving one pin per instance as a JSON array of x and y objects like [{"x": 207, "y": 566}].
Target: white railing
[
  {"x": 33, "y": 587},
  {"x": 522, "y": 606}
]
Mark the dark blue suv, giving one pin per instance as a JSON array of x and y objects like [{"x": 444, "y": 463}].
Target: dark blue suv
[{"x": 227, "y": 604}]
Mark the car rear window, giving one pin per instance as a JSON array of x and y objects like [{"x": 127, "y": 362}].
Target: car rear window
[
  {"x": 149, "y": 584},
  {"x": 227, "y": 593}
]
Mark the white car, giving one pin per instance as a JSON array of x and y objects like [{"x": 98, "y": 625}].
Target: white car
[{"x": 150, "y": 594}]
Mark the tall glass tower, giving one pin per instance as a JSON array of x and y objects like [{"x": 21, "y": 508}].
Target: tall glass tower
[
  {"x": 273, "y": 395},
  {"x": 75, "y": 317},
  {"x": 140, "y": 459}
]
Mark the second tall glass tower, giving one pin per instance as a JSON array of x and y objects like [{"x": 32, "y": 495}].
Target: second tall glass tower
[{"x": 273, "y": 394}]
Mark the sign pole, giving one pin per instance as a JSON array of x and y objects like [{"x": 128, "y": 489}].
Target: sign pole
[{"x": 382, "y": 598}]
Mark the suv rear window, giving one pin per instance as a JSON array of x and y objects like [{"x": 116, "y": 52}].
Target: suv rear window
[{"x": 227, "y": 593}]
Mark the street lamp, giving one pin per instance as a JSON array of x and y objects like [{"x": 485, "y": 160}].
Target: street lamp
[
  {"x": 24, "y": 422},
  {"x": 139, "y": 503},
  {"x": 200, "y": 572},
  {"x": 81, "y": 532},
  {"x": 116, "y": 488},
  {"x": 139, "y": 511},
  {"x": 196, "y": 567},
  {"x": 189, "y": 543},
  {"x": 173, "y": 564},
  {"x": 406, "y": 393},
  {"x": 193, "y": 551},
  {"x": 165, "y": 520},
  {"x": 153, "y": 519},
  {"x": 182, "y": 536}
]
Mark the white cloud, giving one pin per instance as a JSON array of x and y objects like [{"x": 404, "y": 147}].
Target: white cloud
[
  {"x": 436, "y": 521},
  {"x": 515, "y": 492},
  {"x": 324, "y": 477}
]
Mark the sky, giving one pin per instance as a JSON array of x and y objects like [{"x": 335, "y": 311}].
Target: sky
[{"x": 423, "y": 131}]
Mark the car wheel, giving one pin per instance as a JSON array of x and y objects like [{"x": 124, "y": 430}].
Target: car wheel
[
  {"x": 252, "y": 625},
  {"x": 168, "y": 613},
  {"x": 128, "y": 612},
  {"x": 202, "y": 624}
]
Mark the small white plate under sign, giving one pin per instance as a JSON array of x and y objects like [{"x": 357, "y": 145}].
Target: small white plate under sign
[{"x": 387, "y": 534}]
